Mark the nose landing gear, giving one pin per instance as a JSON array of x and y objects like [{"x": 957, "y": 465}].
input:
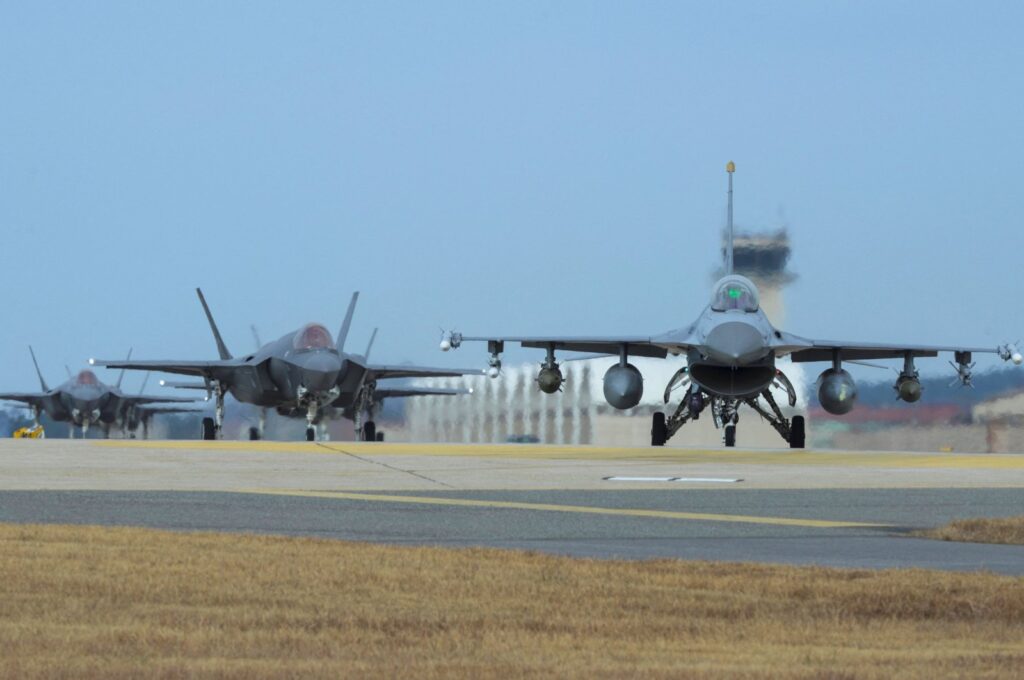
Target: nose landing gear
[{"x": 724, "y": 411}]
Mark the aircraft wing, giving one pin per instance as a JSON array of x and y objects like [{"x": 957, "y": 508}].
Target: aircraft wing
[
  {"x": 156, "y": 410},
  {"x": 417, "y": 392},
  {"x": 206, "y": 369},
  {"x": 140, "y": 399},
  {"x": 31, "y": 398},
  {"x": 380, "y": 371},
  {"x": 182, "y": 385},
  {"x": 639, "y": 346},
  {"x": 822, "y": 350}
]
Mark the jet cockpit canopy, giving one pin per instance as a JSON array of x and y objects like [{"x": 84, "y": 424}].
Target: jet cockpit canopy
[
  {"x": 313, "y": 336},
  {"x": 735, "y": 293},
  {"x": 86, "y": 377}
]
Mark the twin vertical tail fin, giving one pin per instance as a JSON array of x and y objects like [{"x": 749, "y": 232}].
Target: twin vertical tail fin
[
  {"x": 347, "y": 323},
  {"x": 121, "y": 377},
  {"x": 730, "y": 168},
  {"x": 42, "y": 380},
  {"x": 221, "y": 347},
  {"x": 369, "y": 345}
]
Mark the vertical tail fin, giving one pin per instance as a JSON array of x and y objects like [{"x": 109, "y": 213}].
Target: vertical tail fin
[
  {"x": 67, "y": 369},
  {"x": 729, "y": 168},
  {"x": 144, "y": 381},
  {"x": 347, "y": 323},
  {"x": 256, "y": 336},
  {"x": 221, "y": 347},
  {"x": 42, "y": 380},
  {"x": 121, "y": 377},
  {"x": 369, "y": 345}
]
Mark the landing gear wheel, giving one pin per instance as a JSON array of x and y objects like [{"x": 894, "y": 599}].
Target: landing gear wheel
[
  {"x": 730, "y": 435},
  {"x": 797, "y": 430},
  {"x": 209, "y": 429},
  {"x": 659, "y": 431},
  {"x": 310, "y": 434},
  {"x": 369, "y": 431},
  {"x": 254, "y": 434},
  {"x": 380, "y": 436}
]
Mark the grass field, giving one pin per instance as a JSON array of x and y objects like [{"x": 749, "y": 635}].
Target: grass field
[
  {"x": 99, "y": 602},
  {"x": 1007, "y": 530}
]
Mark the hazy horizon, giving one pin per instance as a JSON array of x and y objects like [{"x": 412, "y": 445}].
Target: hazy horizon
[{"x": 527, "y": 168}]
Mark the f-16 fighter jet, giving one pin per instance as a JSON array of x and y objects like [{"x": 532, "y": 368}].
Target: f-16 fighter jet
[
  {"x": 731, "y": 351},
  {"x": 83, "y": 401},
  {"x": 305, "y": 371}
]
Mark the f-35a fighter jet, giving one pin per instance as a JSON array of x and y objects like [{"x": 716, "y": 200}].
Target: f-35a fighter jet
[
  {"x": 305, "y": 371},
  {"x": 374, "y": 401},
  {"x": 731, "y": 350},
  {"x": 83, "y": 401}
]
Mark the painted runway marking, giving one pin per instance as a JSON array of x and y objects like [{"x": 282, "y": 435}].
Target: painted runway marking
[
  {"x": 680, "y": 456},
  {"x": 711, "y": 480},
  {"x": 550, "y": 507}
]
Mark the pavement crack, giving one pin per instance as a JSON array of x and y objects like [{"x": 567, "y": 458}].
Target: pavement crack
[{"x": 385, "y": 465}]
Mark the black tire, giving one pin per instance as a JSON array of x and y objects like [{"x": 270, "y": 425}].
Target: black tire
[
  {"x": 254, "y": 434},
  {"x": 209, "y": 429},
  {"x": 659, "y": 430},
  {"x": 310, "y": 434},
  {"x": 730, "y": 435},
  {"x": 797, "y": 433},
  {"x": 380, "y": 436},
  {"x": 369, "y": 431}
]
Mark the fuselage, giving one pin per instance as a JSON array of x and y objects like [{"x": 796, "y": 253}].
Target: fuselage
[
  {"x": 82, "y": 398},
  {"x": 732, "y": 342},
  {"x": 297, "y": 369}
]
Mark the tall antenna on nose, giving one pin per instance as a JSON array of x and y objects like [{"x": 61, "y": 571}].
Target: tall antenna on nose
[{"x": 730, "y": 168}]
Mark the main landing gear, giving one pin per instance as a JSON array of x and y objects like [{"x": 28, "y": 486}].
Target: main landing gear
[
  {"x": 724, "y": 411},
  {"x": 209, "y": 429},
  {"x": 367, "y": 403},
  {"x": 212, "y": 427},
  {"x": 368, "y": 432},
  {"x": 256, "y": 433}
]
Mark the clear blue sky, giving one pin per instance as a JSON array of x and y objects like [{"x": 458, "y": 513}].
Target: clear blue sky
[{"x": 522, "y": 167}]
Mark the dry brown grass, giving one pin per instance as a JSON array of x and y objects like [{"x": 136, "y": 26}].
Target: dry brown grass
[
  {"x": 1007, "y": 530},
  {"x": 100, "y": 602}
]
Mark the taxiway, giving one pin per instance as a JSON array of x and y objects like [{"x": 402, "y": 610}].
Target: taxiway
[{"x": 828, "y": 508}]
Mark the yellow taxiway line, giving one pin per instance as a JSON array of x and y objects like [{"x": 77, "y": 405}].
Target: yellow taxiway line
[
  {"x": 550, "y": 507},
  {"x": 561, "y": 452}
]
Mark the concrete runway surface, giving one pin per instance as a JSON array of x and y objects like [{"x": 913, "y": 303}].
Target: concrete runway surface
[{"x": 804, "y": 507}]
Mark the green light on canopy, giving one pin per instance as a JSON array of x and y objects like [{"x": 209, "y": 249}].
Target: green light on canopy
[{"x": 735, "y": 293}]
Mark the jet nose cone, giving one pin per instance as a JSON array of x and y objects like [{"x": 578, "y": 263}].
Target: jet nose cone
[
  {"x": 735, "y": 343},
  {"x": 319, "y": 371}
]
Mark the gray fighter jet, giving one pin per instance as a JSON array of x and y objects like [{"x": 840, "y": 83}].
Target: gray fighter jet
[
  {"x": 303, "y": 372},
  {"x": 353, "y": 412},
  {"x": 83, "y": 400},
  {"x": 731, "y": 351}
]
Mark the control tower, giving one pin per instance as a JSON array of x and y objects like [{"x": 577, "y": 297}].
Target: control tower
[{"x": 762, "y": 258}]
